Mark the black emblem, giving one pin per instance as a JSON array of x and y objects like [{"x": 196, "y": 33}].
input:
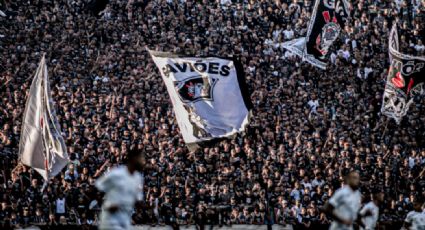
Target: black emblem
[{"x": 196, "y": 88}]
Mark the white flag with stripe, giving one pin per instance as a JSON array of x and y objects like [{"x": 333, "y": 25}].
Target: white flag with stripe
[{"x": 41, "y": 145}]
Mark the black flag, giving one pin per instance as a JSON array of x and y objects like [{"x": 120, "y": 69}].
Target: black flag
[
  {"x": 327, "y": 21},
  {"x": 97, "y": 6},
  {"x": 406, "y": 77}
]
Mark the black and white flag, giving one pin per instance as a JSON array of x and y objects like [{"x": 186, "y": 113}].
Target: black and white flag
[
  {"x": 209, "y": 95},
  {"x": 327, "y": 21},
  {"x": 406, "y": 77}
]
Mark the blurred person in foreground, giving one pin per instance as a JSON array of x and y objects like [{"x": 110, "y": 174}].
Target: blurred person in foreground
[
  {"x": 121, "y": 186},
  {"x": 369, "y": 214},
  {"x": 344, "y": 205},
  {"x": 415, "y": 220}
]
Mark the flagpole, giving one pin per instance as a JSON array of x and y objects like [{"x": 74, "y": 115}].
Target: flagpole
[
  {"x": 43, "y": 98},
  {"x": 310, "y": 27},
  {"x": 385, "y": 129}
]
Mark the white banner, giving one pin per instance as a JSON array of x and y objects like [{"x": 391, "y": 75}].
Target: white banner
[
  {"x": 41, "y": 145},
  {"x": 297, "y": 47},
  {"x": 208, "y": 95}
]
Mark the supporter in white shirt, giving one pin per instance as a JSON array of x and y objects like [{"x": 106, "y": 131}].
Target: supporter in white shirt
[
  {"x": 398, "y": 3},
  {"x": 225, "y": 2},
  {"x": 60, "y": 205},
  {"x": 313, "y": 103},
  {"x": 306, "y": 183},
  {"x": 370, "y": 212},
  {"x": 269, "y": 41},
  {"x": 419, "y": 47},
  {"x": 121, "y": 187},
  {"x": 294, "y": 6},
  {"x": 363, "y": 73},
  {"x": 346, "y": 54},
  {"x": 333, "y": 57},
  {"x": 367, "y": 71},
  {"x": 288, "y": 34},
  {"x": 318, "y": 181},
  {"x": 354, "y": 44},
  {"x": 296, "y": 193},
  {"x": 415, "y": 220},
  {"x": 276, "y": 33},
  {"x": 412, "y": 159},
  {"x": 344, "y": 205}
]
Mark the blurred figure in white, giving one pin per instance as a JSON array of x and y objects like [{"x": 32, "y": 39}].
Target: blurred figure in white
[
  {"x": 369, "y": 214},
  {"x": 122, "y": 188},
  {"x": 344, "y": 205},
  {"x": 415, "y": 220}
]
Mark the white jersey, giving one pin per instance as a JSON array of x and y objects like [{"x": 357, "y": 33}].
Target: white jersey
[
  {"x": 121, "y": 189},
  {"x": 347, "y": 205},
  {"x": 60, "y": 206},
  {"x": 416, "y": 220},
  {"x": 370, "y": 221}
]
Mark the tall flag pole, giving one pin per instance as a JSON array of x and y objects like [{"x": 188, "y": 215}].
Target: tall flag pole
[
  {"x": 405, "y": 80},
  {"x": 209, "y": 95},
  {"x": 41, "y": 145},
  {"x": 327, "y": 21}
]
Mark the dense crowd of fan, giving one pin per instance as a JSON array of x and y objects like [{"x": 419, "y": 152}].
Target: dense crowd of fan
[{"x": 309, "y": 128}]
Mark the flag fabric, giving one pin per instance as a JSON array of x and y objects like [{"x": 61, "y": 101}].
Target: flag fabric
[
  {"x": 208, "y": 94},
  {"x": 405, "y": 80},
  {"x": 41, "y": 145},
  {"x": 97, "y": 6},
  {"x": 327, "y": 21}
]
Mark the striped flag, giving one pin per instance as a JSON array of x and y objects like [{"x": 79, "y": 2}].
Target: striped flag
[{"x": 41, "y": 145}]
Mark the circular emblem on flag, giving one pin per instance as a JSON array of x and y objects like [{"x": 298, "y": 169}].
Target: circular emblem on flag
[
  {"x": 329, "y": 34},
  {"x": 196, "y": 88}
]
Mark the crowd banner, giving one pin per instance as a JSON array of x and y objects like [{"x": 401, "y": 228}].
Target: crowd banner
[
  {"x": 209, "y": 95},
  {"x": 405, "y": 80},
  {"x": 327, "y": 21},
  {"x": 41, "y": 145}
]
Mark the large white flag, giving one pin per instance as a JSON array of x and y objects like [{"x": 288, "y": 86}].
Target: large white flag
[
  {"x": 41, "y": 145},
  {"x": 209, "y": 95}
]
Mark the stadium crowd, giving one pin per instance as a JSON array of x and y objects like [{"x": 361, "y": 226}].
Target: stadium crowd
[{"x": 309, "y": 128}]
